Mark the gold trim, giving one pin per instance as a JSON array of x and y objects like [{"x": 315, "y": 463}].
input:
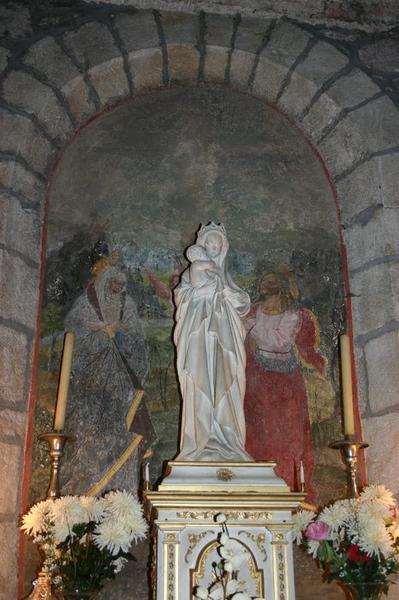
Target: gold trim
[
  {"x": 224, "y": 474},
  {"x": 258, "y": 540},
  {"x": 230, "y": 516},
  {"x": 96, "y": 488},
  {"x": 193, "y": 539},
  {"x": 245, "y": 464},
  {"x": 133, "y": 408},
  {"x": 227, "y": 489}
]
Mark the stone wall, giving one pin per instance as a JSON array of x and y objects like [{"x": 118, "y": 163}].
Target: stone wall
[{"x": 62, "y": 67}]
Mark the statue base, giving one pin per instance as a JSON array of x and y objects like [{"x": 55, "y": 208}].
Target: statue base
[{"x": 258, "y": 506}]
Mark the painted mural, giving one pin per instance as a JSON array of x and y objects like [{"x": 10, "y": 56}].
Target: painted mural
[{"x": 126, "y": 201}]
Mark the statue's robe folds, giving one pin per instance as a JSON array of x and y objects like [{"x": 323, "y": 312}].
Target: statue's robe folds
[{"x": 209, "y": 338}]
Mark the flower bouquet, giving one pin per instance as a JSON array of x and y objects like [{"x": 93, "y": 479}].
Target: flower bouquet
[
  {"x": 356, "y": 541},
  {"x": 85, "y": 540},
  {"x": 225, "y": 585}
]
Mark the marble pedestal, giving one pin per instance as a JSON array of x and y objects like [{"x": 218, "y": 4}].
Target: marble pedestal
[{"x": 258, "y": 506}]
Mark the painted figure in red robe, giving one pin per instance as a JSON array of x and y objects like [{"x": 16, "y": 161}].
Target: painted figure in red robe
[{"x": 281, "y": 338}]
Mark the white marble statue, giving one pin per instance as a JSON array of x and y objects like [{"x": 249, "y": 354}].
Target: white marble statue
[{"x": 209, "y": 337}]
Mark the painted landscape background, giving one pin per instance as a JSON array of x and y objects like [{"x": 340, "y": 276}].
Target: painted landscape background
[{"x": 133, "y": 189}]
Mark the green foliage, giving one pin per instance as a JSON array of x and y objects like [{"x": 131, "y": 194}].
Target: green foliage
[
  {"x": 81, "y": 565},
  {"x": 52, "y": 319}
]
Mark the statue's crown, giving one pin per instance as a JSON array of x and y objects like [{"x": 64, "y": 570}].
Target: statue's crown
[{"x": 219, "y": 228}]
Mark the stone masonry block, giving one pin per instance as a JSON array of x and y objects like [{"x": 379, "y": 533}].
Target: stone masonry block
[
  {"x": 388, "y": 167},
  {"x": 77, "y": 95},
  {"x": 16, "y": 177},
  {"x": 342, "y": 148},
  {"x": 95, "y": 48},
  {"x": 110, "y": 81},
  {"x": 9, "y": 535},
  {"x": 347, "y": 92},
  {"x": 14, "y": 20},
  {"x": 4, "y": 55},
  {"x": 183, "y": 64},
  {"x": 351, "y": 89},
  {"x": 359, "y": 190},
  {"x": 219, "y": 30},
  {"x": 20, "y": 136},
  {"x": 137, "y": 31},
  {"x": 382, "y": 456},
  {"x": 61, "y": 71},
  {"x": 23, "y": 90},
  {"x": 269, "y": 78},
  {"x": 20, "y": 228},
  {"x": 47, "y": 56},
  {"x": 10, "y": 458},
  {"x": 215, "y": 64},
  {"x": 321, "y": 63},
  {"x": 146, "y": 68},
  {"x": 374, "y": 239},
  {"x": 381, "y": 55},
  {"x": 383, "y": 373},
  {"x": 241, "y": 68},
  {"x": 286, "y": 43},
  {"x": 14, "y": 354},
  {"x": 250, "y": 34},
  {"x": 377, "y": 123},
  {"x": 180, "y": 28},
  {"x": 368, "y": 129},
  {"x": 373, "y": 301},
  {"x": 92, "y": 44},
  {"x": 12, "y": 425},
  {"x": 19, "y": 290},
  {"x": 374, "y": 182}
]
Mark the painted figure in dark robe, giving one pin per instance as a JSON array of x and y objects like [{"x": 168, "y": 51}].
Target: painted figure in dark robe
[
  {"x": 106, "y": 410},
  {"x": 281, "y": 338}
]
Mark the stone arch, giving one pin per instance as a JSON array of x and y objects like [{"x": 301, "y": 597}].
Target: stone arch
[{"x": 60, "y": 82}]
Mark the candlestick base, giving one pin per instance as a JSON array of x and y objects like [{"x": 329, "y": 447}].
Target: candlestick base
[
  {"x": 42, "y": 588},
  {"x": 349, "y": 448},
  {"x": 56, "y": 441}
]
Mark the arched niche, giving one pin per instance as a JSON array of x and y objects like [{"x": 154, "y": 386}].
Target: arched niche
[{"x": 132, "y": 189}]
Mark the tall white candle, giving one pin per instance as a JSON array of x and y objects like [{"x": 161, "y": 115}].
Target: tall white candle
[
  {"x": 301, "y": 475},
  {"x": 147, "y": 472},
  {"x": 346, "y": 378},
  {"x": 63, "y": 384}
]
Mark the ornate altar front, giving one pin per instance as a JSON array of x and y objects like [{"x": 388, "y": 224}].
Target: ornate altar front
[{"x": 258, "y": 506}]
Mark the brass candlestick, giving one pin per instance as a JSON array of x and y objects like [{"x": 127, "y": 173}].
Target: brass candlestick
[
  {"x": 56, "y": 442},
  {"x": 350, "y": 451},
  {"x": 43, "y": 589}
]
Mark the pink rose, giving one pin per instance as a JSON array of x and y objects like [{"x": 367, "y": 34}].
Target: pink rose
[{"x": 317, "y": 531}]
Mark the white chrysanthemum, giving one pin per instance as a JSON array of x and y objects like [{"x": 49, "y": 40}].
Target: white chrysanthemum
[
  {"x": 68, "y": 510},
  {"x": 119, "y": 563},
  {"x": 312, "y": 547},
  {"x": 378, "y": 493},
  {"x": 373, "y": 511},
  {"x": 112, "y": 535},
  {"x": 128, "y": 513},
  {"x": 61, "y": 530},
  {"x": 94, "y": 508},
  {"x": 336, "y": 515},
  {"x": 301, "y": 520},
  {"x": 373, "y": 538},
  {"x": 36, "y": 521}
]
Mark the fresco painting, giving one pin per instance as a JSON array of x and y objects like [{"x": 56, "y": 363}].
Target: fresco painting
[{"x": 120, "y": 221}]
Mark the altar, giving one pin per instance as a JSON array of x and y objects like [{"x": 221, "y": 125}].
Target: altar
[{"x": 257, "y": 506}]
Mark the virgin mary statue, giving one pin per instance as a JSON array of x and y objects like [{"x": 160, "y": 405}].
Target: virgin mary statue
[{"x": 209, "y": 337}]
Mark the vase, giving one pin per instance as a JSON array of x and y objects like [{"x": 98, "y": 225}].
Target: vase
[{"x": 364, "y": 591}]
